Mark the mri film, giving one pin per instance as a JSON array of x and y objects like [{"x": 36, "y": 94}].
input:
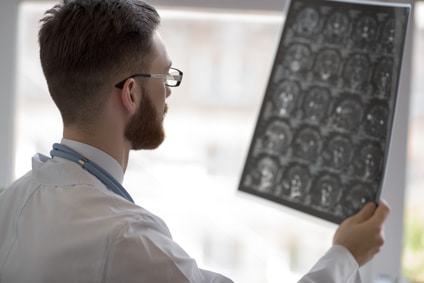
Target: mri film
[
  {"x": 356, "y": 72},
  {"x": 296, "y": 182},
  {"x": 326, "y": 192},
  {"x": 316, "y": 104},
  {"x": 307, "y": 22},
  {"x": 276, "y": 139},
  {"x": 307, "y": 144},
  {"x": 337, "y": 153},
  {"x": 347, "y": 113},
  {"x": 327, "y": 64},
  {"x": 365, "y": 32},
  {"x": 285, "y": 98},
  {"x": 337, "y": 26},
  {"x": 322, "y": 136},
  {"x": 298, "y": 58}
]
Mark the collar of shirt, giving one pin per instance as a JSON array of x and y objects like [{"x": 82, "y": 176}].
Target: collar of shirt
[{"x": 99, "y": 157}]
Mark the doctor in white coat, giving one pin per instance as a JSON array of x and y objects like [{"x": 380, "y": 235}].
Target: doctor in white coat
[{"x": 69, "y": 219}]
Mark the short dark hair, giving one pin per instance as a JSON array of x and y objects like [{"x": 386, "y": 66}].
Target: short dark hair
[{"x": 85, "y": 44}]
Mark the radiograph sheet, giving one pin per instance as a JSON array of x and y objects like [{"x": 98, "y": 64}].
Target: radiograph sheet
[{"x": 323, "y": 131}]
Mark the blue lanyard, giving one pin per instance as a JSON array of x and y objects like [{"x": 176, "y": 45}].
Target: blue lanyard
[{"x": 65, "y": 152}]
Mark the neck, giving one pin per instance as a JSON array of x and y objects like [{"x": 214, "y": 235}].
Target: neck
[{"x": 114, "y": 145}]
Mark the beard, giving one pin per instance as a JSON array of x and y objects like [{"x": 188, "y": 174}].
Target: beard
[{"x": 145, "y": 129}]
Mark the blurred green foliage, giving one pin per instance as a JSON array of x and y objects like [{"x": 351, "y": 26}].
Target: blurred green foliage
[{"x": 413, "y": 252}]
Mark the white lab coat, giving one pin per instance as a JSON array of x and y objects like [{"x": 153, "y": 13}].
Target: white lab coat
[{"x": 59, "y": 223}]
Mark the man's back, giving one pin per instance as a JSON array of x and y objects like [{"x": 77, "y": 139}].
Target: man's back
[{"x": 60, "y": 224}]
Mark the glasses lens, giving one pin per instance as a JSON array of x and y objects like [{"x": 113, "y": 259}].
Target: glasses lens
[
  {"x": 173, "y": 78},
  {"x": 170, "y": 81}
]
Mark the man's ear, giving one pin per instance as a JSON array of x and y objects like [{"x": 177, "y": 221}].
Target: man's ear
[{"x": 129, "y": 95}]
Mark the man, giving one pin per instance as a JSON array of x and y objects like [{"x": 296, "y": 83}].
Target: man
[{"x": 69, "y": 219}]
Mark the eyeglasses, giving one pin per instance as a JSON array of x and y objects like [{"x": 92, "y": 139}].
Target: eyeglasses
[{"x": 172, "y": 79}]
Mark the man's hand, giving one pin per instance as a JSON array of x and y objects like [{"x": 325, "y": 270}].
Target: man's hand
[{"x": 362, "y": 233}]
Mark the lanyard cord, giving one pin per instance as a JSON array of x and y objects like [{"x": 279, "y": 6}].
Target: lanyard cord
[{"x": 65, "y": 152}]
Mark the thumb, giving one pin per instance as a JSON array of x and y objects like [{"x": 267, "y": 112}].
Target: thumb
[
  {"x": 381, "y": 212},
  {"x": 365, "y": 213}
]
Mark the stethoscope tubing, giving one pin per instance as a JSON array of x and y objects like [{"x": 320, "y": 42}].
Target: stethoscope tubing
[{"x": 108, "y": 180}]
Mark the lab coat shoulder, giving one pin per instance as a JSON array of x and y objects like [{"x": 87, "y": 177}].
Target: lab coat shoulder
[
  {"x": 337, "y": 265},
  {"x": 9, "y": 208}
]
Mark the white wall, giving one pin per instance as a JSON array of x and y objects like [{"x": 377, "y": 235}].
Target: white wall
[
  {"x": 8, "y": 28},
  {"x": 276, "y": 5}
]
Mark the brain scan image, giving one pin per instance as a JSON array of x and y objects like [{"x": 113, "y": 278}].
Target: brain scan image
[
  {"x": 328, "y": 109},
  {"x": 388, "y": 35},
  {"x": 375, "y": 123},
  {"x": 315, "y": 105},
  {"x": 347, "y": 114},
  {"x": 382, "y": 77},
  {"x": 365, "y": 30},
  {"x": 356, "y": 72},
  {"x": 356, "y": 198},
  {"x": 326, "y": 191},
  {"x": 264, "y": 176},
  {"x": 338, "y": 152},
  {"x": 307, "y": 144},
  {"x": 296, "y": 183},
  {"x": 297, "y": 58},
  {"x": 368, "y": 161},
  {"x": 307, "y": 22},
  {"x": 285, "y": 97},
  {"x": 337, "y": 25},
  {"x": 277, "y": 137},
  {"x": 327, "y": 64}
]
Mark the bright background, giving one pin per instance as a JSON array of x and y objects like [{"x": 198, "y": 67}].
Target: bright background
[{"x": 191, "y": 180}]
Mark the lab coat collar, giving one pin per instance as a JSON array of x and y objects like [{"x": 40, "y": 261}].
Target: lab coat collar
[{"x": 99, "y": 157}]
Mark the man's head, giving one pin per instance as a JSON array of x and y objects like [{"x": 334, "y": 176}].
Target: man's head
[{"x": 87, "y": 45}]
